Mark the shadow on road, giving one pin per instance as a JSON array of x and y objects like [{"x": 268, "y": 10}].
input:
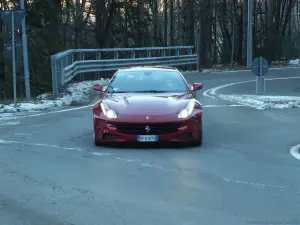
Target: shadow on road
[{"x": 158, "y": 146}]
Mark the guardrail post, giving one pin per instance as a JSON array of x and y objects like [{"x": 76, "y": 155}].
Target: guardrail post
[
  {"x": 72, "y": 58},
  {"x": 116, "y": 55},
  {"x": 54, "y": 76},
  {"x": 133, "y": 54},
  {"x": 198, "y": 62},
  {"x": 58, "y": 74},
  {"x": 190, "y": 52},
  {"x": 82, "y": 59},
  {"x": 98, "y": 57},
  {"x": 66, "y": 61},
  {"x": 62, "y": 77}
]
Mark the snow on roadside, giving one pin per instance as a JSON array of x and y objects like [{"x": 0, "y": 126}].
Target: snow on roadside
[
  {"x": 263, "y": 102},
  {"x": 193, "y": 72},
  {"x": 74, "y": 93},
  {"x": 294, "y": 62}
]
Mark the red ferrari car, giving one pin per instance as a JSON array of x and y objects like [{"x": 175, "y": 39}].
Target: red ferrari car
[{"x": 148, "y": 104}]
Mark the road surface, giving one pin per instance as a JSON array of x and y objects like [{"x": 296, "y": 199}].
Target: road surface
[{"x": 51, "y": 173}]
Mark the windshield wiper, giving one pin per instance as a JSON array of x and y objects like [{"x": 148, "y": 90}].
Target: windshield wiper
[{"x": 150, "y": 91}]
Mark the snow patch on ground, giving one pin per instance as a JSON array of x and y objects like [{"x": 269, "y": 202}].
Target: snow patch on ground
[
  {"x": 202, "y": 71},
  {"x": 294, "y": 62},
  {"x": 263, "y": 102},
  {"x": 73, "y": 94}
]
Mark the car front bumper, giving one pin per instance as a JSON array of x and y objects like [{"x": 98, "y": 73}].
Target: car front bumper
[{"x": 184, "y": 131}]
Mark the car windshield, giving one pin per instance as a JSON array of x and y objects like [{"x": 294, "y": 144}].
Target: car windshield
[{"x": 147, "y": 81}]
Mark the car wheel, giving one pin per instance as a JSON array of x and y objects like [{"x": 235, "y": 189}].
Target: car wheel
[
  {"x": 94, "y": 139},
  {"x": 198, "y": 142}
]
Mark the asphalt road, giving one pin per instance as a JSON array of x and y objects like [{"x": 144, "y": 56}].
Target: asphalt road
[
  {"x": 287, "y": 87},
  {"x": 51, "y": 173}
]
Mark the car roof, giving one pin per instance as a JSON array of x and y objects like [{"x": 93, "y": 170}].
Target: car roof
[{"x": 143, "y": 68}]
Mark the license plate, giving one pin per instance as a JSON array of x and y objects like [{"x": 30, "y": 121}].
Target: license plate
[{"x": 147, "y": 138}]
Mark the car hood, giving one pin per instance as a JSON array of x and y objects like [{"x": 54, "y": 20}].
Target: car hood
[{"x": 147, "y": 103}]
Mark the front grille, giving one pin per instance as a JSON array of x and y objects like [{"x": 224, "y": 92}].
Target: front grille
[{"x": 155, "y": 129}]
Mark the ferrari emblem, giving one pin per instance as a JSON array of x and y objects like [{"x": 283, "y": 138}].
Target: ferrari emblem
[{"x": 147, "y": 129}]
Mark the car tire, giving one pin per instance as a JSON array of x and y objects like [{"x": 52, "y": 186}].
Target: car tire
[
  {"x": 198, "y": 142},
  {"x": 96, "y": 143}
]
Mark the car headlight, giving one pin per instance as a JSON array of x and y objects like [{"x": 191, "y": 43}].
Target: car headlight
[
  {"x": 109, "y": 113},
  {"x": 187, "y": 111}
]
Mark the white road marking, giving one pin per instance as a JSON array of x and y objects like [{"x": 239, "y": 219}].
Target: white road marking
[
  {"x": 100, "y": 153},
  {"x": 58, "y": 111},
  {"x": 38, "y": 125},
  {"x": 218, "y": 106},
  {"x": 152, "y": 166},
  {"x": 211, "y": 93},
  {"x": 9, "y": 123},
  {"x": 124, "y": 159},
  {"x": 127, "y": 160},
  {"x": 6, "y": 142},
  {"x": 141, "y": 162},
  {"x": 3, "y": 118},
  {"x": 236, "y": 71},
  {"x": 257, "y": 184},
  {"x": 295, "y": 151},
  {"x": 20, "y": 134}
]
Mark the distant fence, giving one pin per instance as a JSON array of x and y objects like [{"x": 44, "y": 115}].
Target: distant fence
[{"x": 67, "y": 65}]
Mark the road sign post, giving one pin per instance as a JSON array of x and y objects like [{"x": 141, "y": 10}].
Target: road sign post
[
  {"x": 14, "y": 56},
  {"x": 260, "y": 67}
]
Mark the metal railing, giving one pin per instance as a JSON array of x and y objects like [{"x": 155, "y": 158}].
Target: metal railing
[{"x": 68, "y": 64}]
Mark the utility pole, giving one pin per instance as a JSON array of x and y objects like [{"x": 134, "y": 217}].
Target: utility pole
[
  {"x": 25, "y": 55},
  {"x": 249, "y": 35}
]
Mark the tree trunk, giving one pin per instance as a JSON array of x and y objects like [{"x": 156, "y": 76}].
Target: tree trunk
[
  {"x": 180, "y": 34},
  {"x": 189, "y": 22},
  {"x": 141, "y": 28},
  {"x": 2, "y": 65},
  {"x": 171, "y": 22},
  {"x": 215, "y": 51},
  {"x": 270, "y": 29},
  {"x": 226, "y": 50},
  {"x": 206, "y": 33},
  {"x": 104, "y": 19},
  {"x": 155, "y": 23},
  {"x": 77, "y": 24},
  {"x": 166, "y": 22},
  {"x": 125, "y": 39},
  {"x": 245, "y": 32}
]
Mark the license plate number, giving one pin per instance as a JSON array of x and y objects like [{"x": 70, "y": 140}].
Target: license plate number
[{"x": 147, "y": 138}]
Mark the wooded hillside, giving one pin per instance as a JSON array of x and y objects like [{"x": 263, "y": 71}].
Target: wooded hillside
[{"x": 218, "y": 29}]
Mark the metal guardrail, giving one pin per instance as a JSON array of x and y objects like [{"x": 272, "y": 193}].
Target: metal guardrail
[{"x": 68, "y": 64}]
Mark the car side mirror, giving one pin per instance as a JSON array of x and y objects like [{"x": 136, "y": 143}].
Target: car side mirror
[
  {"x": 197, "y": 86},
  {"x": 98, "y": 87}
]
